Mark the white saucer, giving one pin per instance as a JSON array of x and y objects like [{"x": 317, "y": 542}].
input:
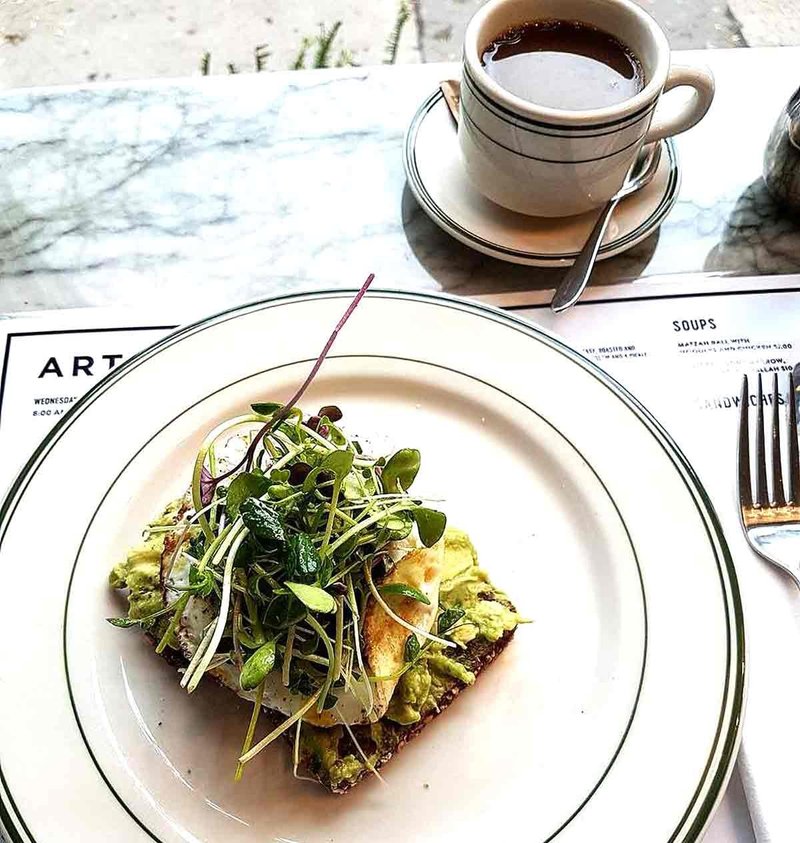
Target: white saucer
[{"x": 442, "y": 188}]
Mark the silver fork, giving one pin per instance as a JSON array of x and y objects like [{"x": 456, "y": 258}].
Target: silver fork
[{"x": 771, "y": 523}]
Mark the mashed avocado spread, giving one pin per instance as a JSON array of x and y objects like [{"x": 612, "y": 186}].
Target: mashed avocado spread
[
  {"x": 466, "y": 585},
  {"x": 486, "y": 615},
  {"x": 323, "y": 745},
  {"x": 140, "y": 573}
]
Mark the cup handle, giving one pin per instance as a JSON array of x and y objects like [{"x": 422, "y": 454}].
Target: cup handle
[{"x": 674, "y": 120}]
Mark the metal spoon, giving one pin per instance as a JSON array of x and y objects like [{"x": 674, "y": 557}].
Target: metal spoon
[{"x": 574, "y": 282}]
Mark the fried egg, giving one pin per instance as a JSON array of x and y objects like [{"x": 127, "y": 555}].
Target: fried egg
[{"x": 384, "y": 638}]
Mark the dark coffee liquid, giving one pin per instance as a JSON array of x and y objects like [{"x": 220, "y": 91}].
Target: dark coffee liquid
[{"x": 563, "y": 64}]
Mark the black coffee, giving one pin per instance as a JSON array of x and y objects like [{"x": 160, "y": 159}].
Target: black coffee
[{"x": 563, "y": 64}]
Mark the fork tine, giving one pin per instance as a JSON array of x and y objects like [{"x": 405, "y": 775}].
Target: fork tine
[
  {"x": 762, "y": 493},
  {"x": 794, "y": 458},
  {"x": 745, "y": 485},
  {"x": 778, "y": 496}
]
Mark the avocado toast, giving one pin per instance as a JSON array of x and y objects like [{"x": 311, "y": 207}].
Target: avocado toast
[{"x": 306, "y": 578}]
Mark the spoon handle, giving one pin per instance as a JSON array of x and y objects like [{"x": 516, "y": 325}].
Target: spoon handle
[{"x": 577, "y": 276}]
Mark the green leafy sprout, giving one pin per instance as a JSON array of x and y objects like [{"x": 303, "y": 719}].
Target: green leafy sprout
[{"x": 302, "y": 527}]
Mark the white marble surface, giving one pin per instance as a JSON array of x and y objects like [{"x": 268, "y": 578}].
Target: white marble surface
[{"x": 229, "y": 188}]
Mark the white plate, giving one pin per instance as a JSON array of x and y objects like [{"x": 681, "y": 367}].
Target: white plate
[
  {"x": 441, "y": 186},
  {"x": 614, "y": 716}
]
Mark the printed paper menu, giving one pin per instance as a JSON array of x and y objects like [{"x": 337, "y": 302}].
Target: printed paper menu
[
  {"x": 48, "y": 364},
  {"x": 684, "y": 357}
]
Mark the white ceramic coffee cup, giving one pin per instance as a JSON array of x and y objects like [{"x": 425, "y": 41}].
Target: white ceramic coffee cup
[{"x": 550, "y": 162}]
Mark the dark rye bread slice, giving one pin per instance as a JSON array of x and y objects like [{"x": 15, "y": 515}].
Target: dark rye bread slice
[{"x": 477, "y": 656}]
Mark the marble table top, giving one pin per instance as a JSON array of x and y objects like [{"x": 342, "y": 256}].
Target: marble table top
[{"x": 230, "y": 188}]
